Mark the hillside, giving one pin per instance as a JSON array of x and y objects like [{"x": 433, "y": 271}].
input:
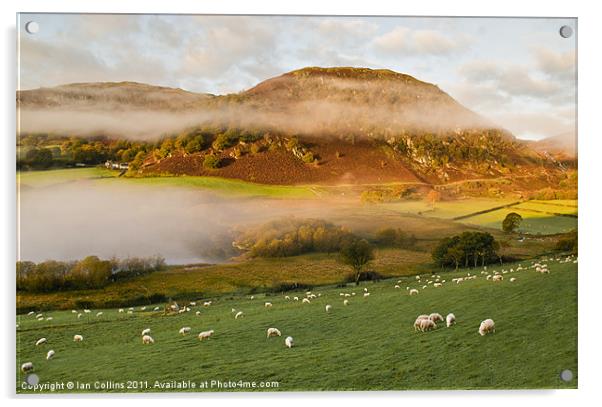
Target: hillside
[{"x": 313, "y": 125}]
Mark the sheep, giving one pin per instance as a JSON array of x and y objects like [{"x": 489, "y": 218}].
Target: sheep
[
  {"x": 352, "y": 293},
  {"x": 130, "y": 312},
  {"x": 424, "y": 287},
  {"x": 192, "y": 304},
  {"x": 497, "y": 277},
  {"x": 78, "y": 338},
  {"x": 413, "y": 291},
  {"x": 205, "y": 335},
  {"x": 156, "y": 309},
  {"x": 27, "y": 367},
  {"x": 252, "y": 297},
  {"x": 346, "y": 302},
  {"x": 450, "y": 319},
  {"x": 268, "y": 304},
  {"x": 121, "y": 310},
  {"x": 513, "y": 279},
  {"x": 239, "y": 314},
  {"x": 145, "y": 331},
  {"x": 435, "y": 317},
  {"x": 489, "y": 277},
  {"x": 288, "y": 342},
  {"x": 49, "y": 319},
  {"x": 72, "y": 311},
  {"x": 185, "y": 330},
  {"x": 198, "y": 313},
  {"x": 328, "y": 307},
  {"x": 79, "y": 315},
  {"x": 305, "y": 301},
  {"x": 296, "y": 298},
  {"x": 206, "y": 303},
  {"x": 427, "y": 325},
  {"x": 273, "y": 332},
  {"x": 99, "y": 314},
  {"x": 143, "y": 309},
  {"x": 286, "y": 297},
  {"x": 417, "y": 321},
  {"x": 50, "y": 354},
  {"x": 417, "y": 277},
  {"x": 347, "y": 295},
  {"x": 41, "y": 341},
  {"x": 366, "y": 294},
  {"x": 436, "y": 285},
  {"x": 147, "y": 339},
  {"x": 396, "y": 286},
  {"x": 87, "y": 311},
  {"x": 30, "y": 313},
  {"x": 365, "y": 289},
  {"x": 487, "y": 326},
  {"x": 39, "y": 316},
  {"x": 342, "y": 294}
]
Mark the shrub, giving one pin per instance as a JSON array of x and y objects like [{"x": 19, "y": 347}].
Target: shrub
[{"x": 211, "y": 161}]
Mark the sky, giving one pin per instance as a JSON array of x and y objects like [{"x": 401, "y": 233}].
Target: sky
[{"x": 518, "y": 72}]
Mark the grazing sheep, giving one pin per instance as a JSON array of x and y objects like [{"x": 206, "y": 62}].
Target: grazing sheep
[
  {"x": 305, "y": 301},
  {"x": 487, "y": 326},
  {"x": 185, "y": 330},
  {"x": 437, "y": 285},
  {"x": 206, "y": 303},
  {"x": 192, "y": 304},
  {"x": 497, "y": 277},
  {"x": 435, "y": 317},
  {"x": 39, "y": 316},
  {"x": 424, "y": 287},
  {"x": 413, "y": 291},
  {"x": 49, "y": 319},
  {"x": 50, "y": 354},
  {"x": 366, "y": 294},
  {"x": 252, "y": 297},
  {"x": 72, "y": 311},
  {"x": 187, "y": 309},
  {"x": 99, "y": 314},
  {"x": 79, "y": 315},
  {"x": 513, "y": 279},
  {"x": 396, "y": 286},
  {"x": 418, "y": 321},
  {"x": 198, "y": 312},
  {"x": 365, "y": 289},
  {"x": 488, "y": 276},
  {"x": 30, "y": 313},
  {"x": 328, "y": 308},
  {"x": 145, "y": 331},
  {"x": 347, "y": 295},
  {"x": 342, "y": 294},
  {"x": 121, "y": 310},
  {"x": 87, "y": 311},
  {"x": 450, "y": 319},
  {"x": 78, "y": 338},
  {"x": 273, "y": 332},
  {"x": 288, "y": 342},
  {"x": 417, "y": 277},
  {"x": 239, "y": 314},
  {"x": 205, "y": 335},
  {"x": 147, "y": 339},
  {"x": 156, "y": 309},
  {"x": 268, "y": 304},
  {"x": 130, "y": 312},
  {"x": 427, "y": 325},
  {"x": 346, "y": 302},
  {"x": 41, "y": 341},
  {"x": 27, "y": 367},
  {"x": 296, "y": 298},
  {"x": 352, "y": 293},
  {"x": 286, "y": 297},
  {"x": 143, "y": 309}
]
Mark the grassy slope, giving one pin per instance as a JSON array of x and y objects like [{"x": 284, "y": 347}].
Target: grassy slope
[{"x": 368, "y": 345}]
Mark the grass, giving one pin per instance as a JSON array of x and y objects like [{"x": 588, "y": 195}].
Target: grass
[
  {"x": 229, "y": 187},
  {"x": 368, "y": 345},
  {"x": 533, "y": 222},
  {"x": 448, "y": 209}
]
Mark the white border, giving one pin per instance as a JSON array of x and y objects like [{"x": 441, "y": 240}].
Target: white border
[{"x": 590, "y": 149}]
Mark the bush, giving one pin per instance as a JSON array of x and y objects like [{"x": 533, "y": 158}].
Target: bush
[
  {"x": 211, "y": 161},
  {"x": 467, "y": 248},
  {"x": 390, "y": 237},
  {"x": 568, "y": 243}
]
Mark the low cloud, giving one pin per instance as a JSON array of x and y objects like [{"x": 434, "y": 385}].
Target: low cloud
[{"x": 403, "y": 40}]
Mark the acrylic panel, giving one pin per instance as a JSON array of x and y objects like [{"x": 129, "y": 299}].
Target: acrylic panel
[{"x": 295, "y": 203}]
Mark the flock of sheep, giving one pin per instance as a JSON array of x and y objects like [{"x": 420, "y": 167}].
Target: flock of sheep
[{"x": 423, "y": 323}]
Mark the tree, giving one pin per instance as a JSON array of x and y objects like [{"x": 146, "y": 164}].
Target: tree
[
  {"x": 211, "y": 161},
  {"x": 511, "y": 222},
  {"x": 357, "y": 253}
]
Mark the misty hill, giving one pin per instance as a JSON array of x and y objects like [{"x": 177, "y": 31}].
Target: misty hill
[
  {"x": 562, "y": 145},
  {"x": 313, "y": 125},
  {"x": 110, "y": 96}
]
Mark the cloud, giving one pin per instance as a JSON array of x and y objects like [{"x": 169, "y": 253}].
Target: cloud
[
  {"x": 403, "y": 40},
  {"x": 558, "y": 65}
]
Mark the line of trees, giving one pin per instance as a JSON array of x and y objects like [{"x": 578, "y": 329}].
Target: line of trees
[
  {"x": 88, "y": 273},
  {"x": 468, "y": 249}
]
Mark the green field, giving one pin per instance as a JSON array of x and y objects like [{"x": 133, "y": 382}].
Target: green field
[
  {"x": 448, "y": 209},
  {"x": 368, "y": 345},
  {"x": 533, "y": 222}
]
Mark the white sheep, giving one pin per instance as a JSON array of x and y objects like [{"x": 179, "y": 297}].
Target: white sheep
[
  {"x": 497, "y": 277},
  {"x": 413, "y": 291},
  {"x": 436, "y": 285},
  {"x": 288, "y": 342},
  {"x": 205, "y": 335},
  {"x": 41, "y": 341},
  {"x": 78, "y": 338},
  {"x": 417, "y": 321},
  {"x": 268, "y": 304},
  {"x": 121, "y": 311},
  {"x": 142, "y": 308},
  {"x": 305, "y": 301},
  {"x": 50, "y": 354},
  {"x": 273, "y": 332},
  {"x": 435, "y": 317},
  {"x": 27, "y": 367},
  {"x": 72, "y": 311},
  {"x": 450, "y": 319},
  {"x": 296, "y": 298},
  {"x": 156, "y": 309},
  {"x": 396, "y": 286},
  {"x": 328, "y": 307},
  {"x": 99, "y": 314},
  {"x": 206, "y": 303},
  {"x": 239, "y": 314},
  {"x": 198, "y": 312},
  {"x": 147, "y": 339},
  {"x": 185, "y": 330},
  {"x": 352, "y": 293},
  {"x": 87, "y": 311},
  {"x": 427, "y": 325},
  {"x": 513, "y": 279},
  {"x": 30, "y": 313},
  {"x": 192, "y": 304},
  {"x": 346, "y": 302},
  {"x": 39, "y": 316},
  {"x": 286, "y": 297},
  {"x": 365, "y": 289},
  {"x": 79, "y": 315},
  {"x": 487, "y": 326},
  {"x": 366, "y": 294},
  {"x": 49, "y": 319}
]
